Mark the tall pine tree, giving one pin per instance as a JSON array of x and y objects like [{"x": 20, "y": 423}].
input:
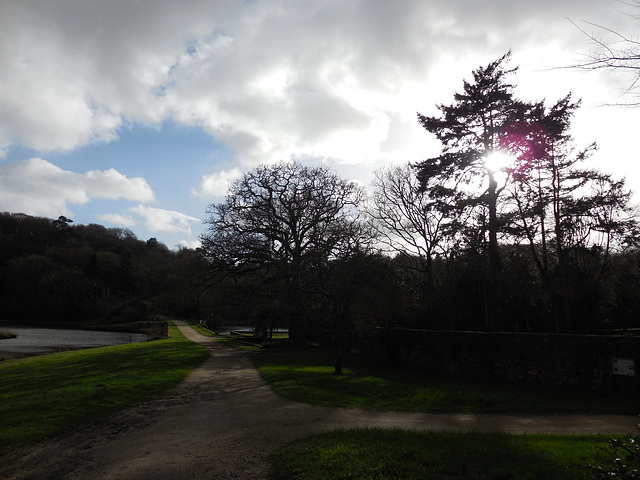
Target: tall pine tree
[{"x": 469, "y": 130}]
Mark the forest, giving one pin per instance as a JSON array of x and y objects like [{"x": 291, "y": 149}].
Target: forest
[
  {"x": 54, "y": 272},
  {"x": 507, "y": 229}
]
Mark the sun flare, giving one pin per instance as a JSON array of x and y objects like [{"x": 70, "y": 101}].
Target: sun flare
[{"x": 498, "y": 161}]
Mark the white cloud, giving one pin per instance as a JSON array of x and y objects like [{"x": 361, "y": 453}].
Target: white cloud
[
  {"x": 326, "y": 79},
  {"x": 217, "y": 184},
  {"x": 160, "y": 220},
  {"x": 273, "y": 79},
  {"x": 193, "y": 244},
  {"x": 38, "y": 187},
  {"x": 112, "y": 185},
  {"x": 71, "y": 72},
  {"x": 118, "y": 219}
]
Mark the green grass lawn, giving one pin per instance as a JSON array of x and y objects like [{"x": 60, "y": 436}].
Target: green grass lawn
[
  {"x": 306, "y": 376},
  {"x": 395, "y": 454},
  {"x": 43, "y": 395},
  {"x": 40, "y": 396}
]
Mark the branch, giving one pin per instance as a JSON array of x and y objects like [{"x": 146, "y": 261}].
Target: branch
[{"x": 609, "y": 57}]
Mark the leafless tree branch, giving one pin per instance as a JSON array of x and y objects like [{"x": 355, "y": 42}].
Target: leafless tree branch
[{"x": 622, "y": 53}]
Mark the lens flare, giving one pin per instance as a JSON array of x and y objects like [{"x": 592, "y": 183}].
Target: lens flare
[{"x": 498, "y": 161}]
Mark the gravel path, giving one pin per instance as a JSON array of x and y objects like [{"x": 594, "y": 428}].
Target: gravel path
[{"x": 222, "y": 422}]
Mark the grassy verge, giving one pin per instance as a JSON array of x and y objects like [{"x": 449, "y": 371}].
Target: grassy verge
[
  {"x": 43, "y": 395},
  {"x": 201, "y": 330},
  {"x": 307, "y": 377},
  {"x": 382, "y": 454}
]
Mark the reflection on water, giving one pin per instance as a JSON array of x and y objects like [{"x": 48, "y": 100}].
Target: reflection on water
[{"x": 31, "y": 341}]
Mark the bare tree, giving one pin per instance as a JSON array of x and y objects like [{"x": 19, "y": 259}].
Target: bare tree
[
  {"x": 283, "y": 224},
  {"x": 622, "y": 52},
  {"x": 406, "y": 218}
]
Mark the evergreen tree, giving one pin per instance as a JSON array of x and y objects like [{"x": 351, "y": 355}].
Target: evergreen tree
[{"x": 460, "y": 179}]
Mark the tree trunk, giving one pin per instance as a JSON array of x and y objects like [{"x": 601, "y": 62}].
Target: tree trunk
[
  {"x": 495, "y": 270},
  {"x": 338, "y": 361}
]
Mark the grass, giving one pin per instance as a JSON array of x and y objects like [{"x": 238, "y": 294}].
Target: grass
[
  {"x": 40, "y": 396},
  {"x": 307, "y": 377},
  {"x": 201, "y": 330},
  {"x": 396, "y": 454},
  {"x": 43, "y": 395},
  {"x": 386, "y": 454}
]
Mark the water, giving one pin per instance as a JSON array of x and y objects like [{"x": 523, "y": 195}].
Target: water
[
  {"x": 226, "y": 330},
  {"x": 32, "y": 341}
]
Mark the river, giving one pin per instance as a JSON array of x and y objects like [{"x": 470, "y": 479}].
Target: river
[{"x": 35, "y": 341}]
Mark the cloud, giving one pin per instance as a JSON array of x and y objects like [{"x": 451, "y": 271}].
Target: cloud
[
  {"x": 271, "y": 79},
  {"x": 38, "y": 187},
  {"x": 112, "y": 185},
  {"x": 318, "y": 81},
  {"x": 72, "y": 72},
  {"x": 118, "y": 219},
  {"x": 217, "y": 184},
  {"x": 327, "y": 79},
  {"x": 160, "y": 220},
  {"x": 193, "y": 244}
]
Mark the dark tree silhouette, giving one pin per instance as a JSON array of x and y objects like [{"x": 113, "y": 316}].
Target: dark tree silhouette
[
  {"x": 406, "y": 218},
  {"x": 284, "y": 224},
  {"x": 559, "y": 207},
  {"x": 469, "y": 130},
  {"x": 55, "y": 272}
]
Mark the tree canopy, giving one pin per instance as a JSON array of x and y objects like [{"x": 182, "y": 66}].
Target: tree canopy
[
  {"x": 567, "y": 215},
  {"x": 470, "y": 130},
  {"x": 286, "y": 224}
]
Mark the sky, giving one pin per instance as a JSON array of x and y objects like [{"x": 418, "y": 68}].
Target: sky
[{"x": 139, "y": 113}]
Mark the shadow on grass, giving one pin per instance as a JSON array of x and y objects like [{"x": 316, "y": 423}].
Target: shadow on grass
[
  {"x": 378, "y": 454},
  {"x": 305, "y": 376}
]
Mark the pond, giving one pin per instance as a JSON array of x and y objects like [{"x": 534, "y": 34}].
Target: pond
[{"x": 34, "y": 341}]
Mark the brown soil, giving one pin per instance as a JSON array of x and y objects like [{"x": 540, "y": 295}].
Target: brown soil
[{"x": 223, "y": 421}]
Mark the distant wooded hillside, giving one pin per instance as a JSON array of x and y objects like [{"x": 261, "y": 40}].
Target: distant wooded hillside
[{"x": 53, "y": 271}]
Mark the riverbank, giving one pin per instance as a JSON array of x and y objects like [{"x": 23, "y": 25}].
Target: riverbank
[
  {"x": 29, "y": 341},
  {"x": 45, "y": 395}
]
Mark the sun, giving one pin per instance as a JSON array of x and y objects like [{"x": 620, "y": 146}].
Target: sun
[{"x": 498, "y": 161}]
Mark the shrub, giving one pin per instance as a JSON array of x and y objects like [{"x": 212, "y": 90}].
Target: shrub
[{"x": 625, "y": 459}]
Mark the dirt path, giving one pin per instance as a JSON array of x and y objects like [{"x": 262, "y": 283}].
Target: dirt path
[{"x": 222, "y": 422}]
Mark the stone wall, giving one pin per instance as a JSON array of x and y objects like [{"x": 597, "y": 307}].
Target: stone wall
[{"x": 582, "y": 361}]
